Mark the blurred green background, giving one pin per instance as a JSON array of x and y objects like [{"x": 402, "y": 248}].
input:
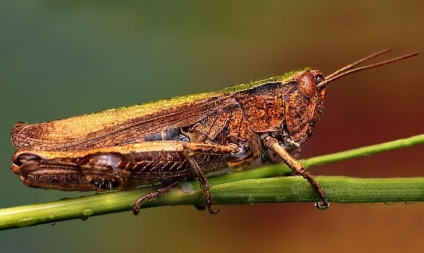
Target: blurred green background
[{"x": 64, "y": 58}]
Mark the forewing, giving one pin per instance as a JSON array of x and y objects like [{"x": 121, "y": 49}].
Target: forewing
[{"x": 119, "y": 126}]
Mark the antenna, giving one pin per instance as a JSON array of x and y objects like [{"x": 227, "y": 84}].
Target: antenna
[{"x": 348, "y": 69}]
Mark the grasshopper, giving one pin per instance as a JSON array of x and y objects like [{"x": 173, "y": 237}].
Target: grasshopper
[{"x": 170, "y": 141}]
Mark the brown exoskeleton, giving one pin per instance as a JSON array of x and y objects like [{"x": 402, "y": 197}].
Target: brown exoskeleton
[{"x": 173, "y": 140}]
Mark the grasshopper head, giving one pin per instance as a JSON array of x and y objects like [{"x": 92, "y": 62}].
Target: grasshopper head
[
  {"x": 304, "y": 94},
  {"x": 303, "y": 101}
]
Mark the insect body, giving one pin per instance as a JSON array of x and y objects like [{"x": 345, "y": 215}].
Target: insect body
[{"x": 173, "y": 140}]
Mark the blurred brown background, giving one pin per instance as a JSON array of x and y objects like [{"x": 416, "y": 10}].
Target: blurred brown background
[{"x": 59, "y": 59}]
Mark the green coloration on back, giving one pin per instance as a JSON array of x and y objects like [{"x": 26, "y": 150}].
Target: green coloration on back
[{"x": 283, "y": 79}]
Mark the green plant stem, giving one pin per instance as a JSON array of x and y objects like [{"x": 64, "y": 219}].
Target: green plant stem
[{"x": 247, "y": 187}]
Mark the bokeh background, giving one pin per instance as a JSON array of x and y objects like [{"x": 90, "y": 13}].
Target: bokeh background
[{"x": 65, "y": 58}]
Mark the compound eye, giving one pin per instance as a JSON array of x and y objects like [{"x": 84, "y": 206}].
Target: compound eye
[
  {"x": 318, "y": 79},
  {"x": 307, "y": 84}
]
